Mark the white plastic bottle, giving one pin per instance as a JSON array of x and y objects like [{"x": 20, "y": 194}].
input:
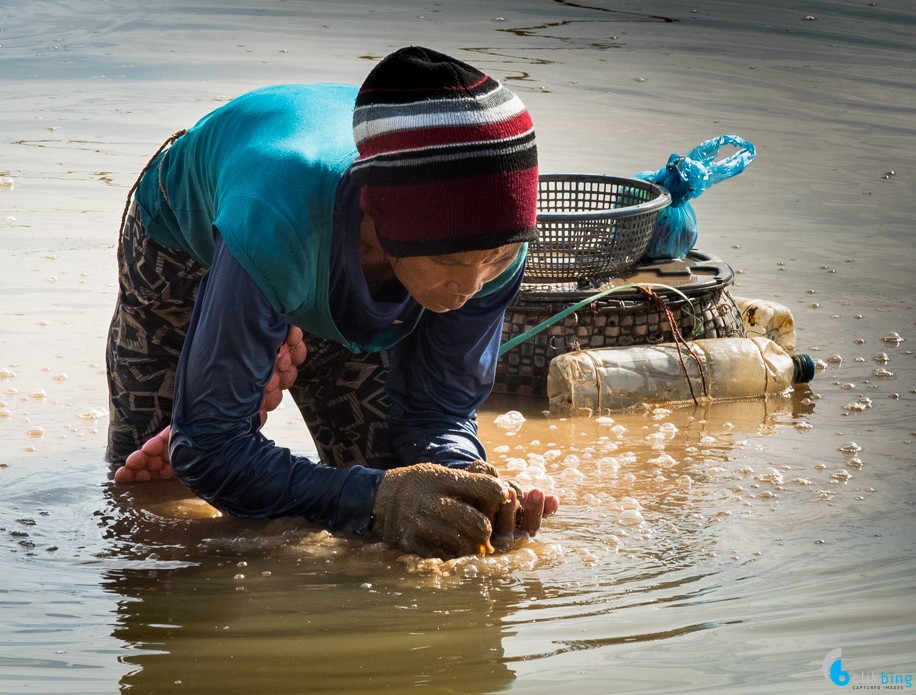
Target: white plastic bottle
[
  {"x": 765, "y": 319},
  {"x": 615, "y": 378}
]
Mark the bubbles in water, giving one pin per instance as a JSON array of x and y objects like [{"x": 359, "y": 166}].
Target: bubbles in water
[
  {"x": 841, "y": 475},
  {"x": 772, "y": 476},
  {"x": 536, "y": 460},
  {"x": 7, "y": 183},
  {"x": 6, "y": 374},
  {"x": 571, "y": 460},
  {"x": 881, "y": 358},
  {"x": 39, "y": 395},
  {"x": 883, "y": 373},
  {"x": 572, "y": 475},
  {"x": 607, "y": 465},
  {"x": 668, "y": 429},
  {"x": 663, "y": 460},
  {"x": 93, "y": 414},
  {"x": 511, "y": 421},
  {"x": 835, "y": 359},
  {"x": 893, "y": 338},
  {"x": 630, "y": 517},
  {"x": 850, "y": 448},
  {"x": 863, "y": 403},
  {"x": 515, "y": 464},
  {"x": 36, "y": 432}
]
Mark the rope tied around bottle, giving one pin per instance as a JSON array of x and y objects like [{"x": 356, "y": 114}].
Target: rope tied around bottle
[
  {"x": 656, "y": 299},
  {"x": 679, "y": 341}
]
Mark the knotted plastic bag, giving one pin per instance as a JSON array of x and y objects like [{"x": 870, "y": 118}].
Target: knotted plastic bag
[{"x": 686, "y": 177}]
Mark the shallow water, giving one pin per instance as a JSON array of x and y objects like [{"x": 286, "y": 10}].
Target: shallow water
[{"x": 725, "y": 548}]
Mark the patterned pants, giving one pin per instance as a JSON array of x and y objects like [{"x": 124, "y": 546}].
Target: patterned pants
[{"x": 341, "y": 395}]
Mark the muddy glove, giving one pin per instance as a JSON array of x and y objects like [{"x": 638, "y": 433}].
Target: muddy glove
[
  {"x": 479, "y": 466},
  {"x": 431, "y": 510}
]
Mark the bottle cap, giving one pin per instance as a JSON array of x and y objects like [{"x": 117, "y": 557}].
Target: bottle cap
[{"x": 804, "y": 368}]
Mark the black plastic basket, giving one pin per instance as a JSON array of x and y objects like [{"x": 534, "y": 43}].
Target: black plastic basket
[{"x": 591, "y": 227}]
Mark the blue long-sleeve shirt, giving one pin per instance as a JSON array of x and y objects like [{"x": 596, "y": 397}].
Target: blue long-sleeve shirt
[{"x": 439, "y": 375}]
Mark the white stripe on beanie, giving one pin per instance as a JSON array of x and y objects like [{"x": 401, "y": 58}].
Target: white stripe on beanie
[
  {"x": 448, "y": 153},
  {"x": 446, "y": 113}
]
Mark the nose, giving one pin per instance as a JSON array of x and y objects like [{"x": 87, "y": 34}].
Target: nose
[{"x": 465, "y": 288}]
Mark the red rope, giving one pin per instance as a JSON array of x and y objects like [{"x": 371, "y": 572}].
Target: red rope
[{"x": 679, "y": 341}]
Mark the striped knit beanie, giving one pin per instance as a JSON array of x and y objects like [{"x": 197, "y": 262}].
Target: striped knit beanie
[{"x": 447, "y": 159}]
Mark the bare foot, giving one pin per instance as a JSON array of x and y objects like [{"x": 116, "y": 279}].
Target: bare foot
[{"x": 151, "y": 461}]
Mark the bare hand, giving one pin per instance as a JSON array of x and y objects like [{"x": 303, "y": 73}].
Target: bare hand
[{"x": 522, "y": 515}]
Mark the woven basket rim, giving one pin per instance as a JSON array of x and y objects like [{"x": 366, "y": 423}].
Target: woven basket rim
[{"x": 661, "y": 199}]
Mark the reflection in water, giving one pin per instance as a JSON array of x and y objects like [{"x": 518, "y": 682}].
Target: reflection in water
[
  {"x": 266, "y": 605},
  {"x": 212, "y": 602}
]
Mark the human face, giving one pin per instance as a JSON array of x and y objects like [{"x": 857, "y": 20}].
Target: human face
[{"x": 446, "y": 282}]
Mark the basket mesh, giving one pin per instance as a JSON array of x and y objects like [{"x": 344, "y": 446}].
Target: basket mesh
[{"x": 591, "y": 227}]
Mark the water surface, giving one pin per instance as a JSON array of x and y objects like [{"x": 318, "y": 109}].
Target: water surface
[{"x": 771, "y": 532}]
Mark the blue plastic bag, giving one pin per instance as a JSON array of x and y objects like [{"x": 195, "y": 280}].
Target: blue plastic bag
[{"x": 685, "y": 177}]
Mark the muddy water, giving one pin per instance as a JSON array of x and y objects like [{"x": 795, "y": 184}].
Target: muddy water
[{"x": 726, "y": 548}]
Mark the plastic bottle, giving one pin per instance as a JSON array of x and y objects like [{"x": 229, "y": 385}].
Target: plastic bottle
[
  {"x": 766, "y": 319},
  {"x": 615, "y": 378}
]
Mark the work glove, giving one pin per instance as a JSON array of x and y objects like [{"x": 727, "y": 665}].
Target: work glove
[{"x": 435, "y": 511}]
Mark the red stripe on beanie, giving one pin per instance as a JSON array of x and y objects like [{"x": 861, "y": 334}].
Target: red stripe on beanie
[
  {"x": 445, "y": 135},
  {"x": 454, "y": 216}
]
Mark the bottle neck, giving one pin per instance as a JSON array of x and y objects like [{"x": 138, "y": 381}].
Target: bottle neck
[{"x": 804, "y": 369}]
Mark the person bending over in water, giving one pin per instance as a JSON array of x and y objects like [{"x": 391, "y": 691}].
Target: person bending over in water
[{"x": 381, "y": 230}]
